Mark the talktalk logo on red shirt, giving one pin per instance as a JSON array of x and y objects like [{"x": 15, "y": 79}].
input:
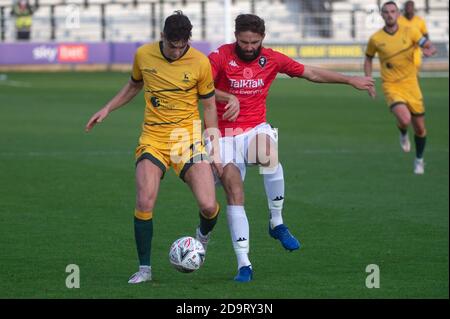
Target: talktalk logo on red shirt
[
  {"x": 72, "y": 53},
  {"x": 246, "y": 84}
]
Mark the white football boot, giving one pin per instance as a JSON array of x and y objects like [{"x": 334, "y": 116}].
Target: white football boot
[
  {"x": 404, "y": 143},
  {"x": 419, "y": 166},
  {"x": 144, "y": 274},
  {"x": 204, "y": 239}
]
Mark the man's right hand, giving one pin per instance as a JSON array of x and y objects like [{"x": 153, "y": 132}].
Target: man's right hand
[
  {"x": 232, "y": 109},
  {"x": 97, "y": 118},
  {"x": 365, "y": 83},
  {"x": 428, "y": 52}
]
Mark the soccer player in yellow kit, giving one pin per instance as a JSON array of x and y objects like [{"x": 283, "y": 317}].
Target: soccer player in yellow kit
[
  {"x": 174, "y": 77},
  {"x": 395, "y": 46},
  {"x": 409, "y": 19}
]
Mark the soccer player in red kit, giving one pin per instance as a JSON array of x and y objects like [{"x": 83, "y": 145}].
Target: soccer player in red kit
[{"x": 243, "y": 72}]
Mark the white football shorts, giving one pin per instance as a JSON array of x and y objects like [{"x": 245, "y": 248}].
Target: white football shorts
[{"x": 237, "y": 149}]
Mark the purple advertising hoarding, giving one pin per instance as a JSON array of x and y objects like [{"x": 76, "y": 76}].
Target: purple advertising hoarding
[
  {"x": 74, "y": 53},
  {"x": 82, "y": 53}
]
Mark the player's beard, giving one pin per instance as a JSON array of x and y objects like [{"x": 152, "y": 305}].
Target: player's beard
[
  {"x": 247, "y": 57},
  {"x": 391, "y": 23}
]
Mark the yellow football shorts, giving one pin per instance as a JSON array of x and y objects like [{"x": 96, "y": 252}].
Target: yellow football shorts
[
  {"x": 405, "y": 92},
  {"x": 180, "y": 156}
]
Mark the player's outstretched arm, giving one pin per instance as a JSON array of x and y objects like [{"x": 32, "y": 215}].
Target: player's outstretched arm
[
  {"x": 232, "y": 108},
  {"x": 125, "y": 95},
  {"x": 320, "y": 75},
  {"x": 212, "y": 133}
]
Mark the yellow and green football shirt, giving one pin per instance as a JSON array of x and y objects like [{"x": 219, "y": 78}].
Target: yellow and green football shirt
[
  {"x": 398, "y": 71},
  {"x": 171, "y": 90},
  {"x": 415, "y": 22},
  {"x": 395, "y": 52},
  {"x": 419, "y": 23}
]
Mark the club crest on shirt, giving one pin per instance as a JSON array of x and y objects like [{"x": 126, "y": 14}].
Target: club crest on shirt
[
  {"x": 186, "y": 76},
  {"x": 262, "y": 61}
]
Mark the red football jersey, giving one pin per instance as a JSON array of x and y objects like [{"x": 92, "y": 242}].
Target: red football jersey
[{"x": 249, "y": 82}]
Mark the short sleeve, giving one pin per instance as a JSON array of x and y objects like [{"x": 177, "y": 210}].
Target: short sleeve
[
  {"x": 216, "y": 65},
  {"x": 205, "y": 84},
  {"x": 136, "y": 74},
  {"x": 289, "y": 66},
  {"x": 371, "y": 49}
]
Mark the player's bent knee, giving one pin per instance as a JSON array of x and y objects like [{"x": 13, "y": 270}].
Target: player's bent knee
[
  {"x": 421, "y": 132},
  {"x": 405, "y": 121},
  {"x": 209, "y": 210},
  {"x": 145, "y": 204}
]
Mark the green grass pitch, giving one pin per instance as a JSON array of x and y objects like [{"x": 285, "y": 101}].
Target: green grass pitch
[{"x": 67, "y": 197}]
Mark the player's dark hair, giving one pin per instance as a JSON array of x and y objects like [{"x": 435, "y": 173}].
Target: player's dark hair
[
  {"x": 249, "y": 22},
  {"x": 387, "y": 3},
  {"x": 409, "y": 2},
  {"x": 177, "y": 27}
]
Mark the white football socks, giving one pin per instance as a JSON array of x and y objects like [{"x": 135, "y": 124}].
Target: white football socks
[
  {"x": 274, "y": 186},
  {"x": 239, "y": 230}
]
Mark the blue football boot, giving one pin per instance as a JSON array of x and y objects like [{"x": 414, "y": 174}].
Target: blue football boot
[
  {"x": 245, "y": 274},
  {"x": 282, "y": 233}
]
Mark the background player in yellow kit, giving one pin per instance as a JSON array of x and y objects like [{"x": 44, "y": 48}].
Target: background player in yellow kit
[
  {"x": 174, "y": 77},
  {"x": 395, "y": 46},
  {"x": 410, "y": 19}
]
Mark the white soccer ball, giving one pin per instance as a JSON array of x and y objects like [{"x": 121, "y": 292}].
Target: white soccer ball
[{"x": 187, "y": 254}]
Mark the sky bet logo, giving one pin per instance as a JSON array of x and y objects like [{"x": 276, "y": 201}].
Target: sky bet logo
[
  {"x": 72, "y": 53},
  {"x": 61, "y": 53},
  {"x": 44, "y": 52}
]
